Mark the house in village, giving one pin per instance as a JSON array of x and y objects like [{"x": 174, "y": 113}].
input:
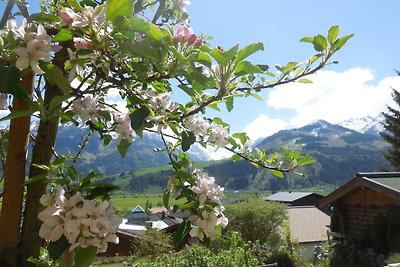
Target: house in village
[
  {"x": 307, "y": 224},
  {"x": 134, "y": 227},
  {"x": 356, "y": 205}
]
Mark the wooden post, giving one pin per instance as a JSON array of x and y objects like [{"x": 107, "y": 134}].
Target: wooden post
[{"x": 11, "y": 210}]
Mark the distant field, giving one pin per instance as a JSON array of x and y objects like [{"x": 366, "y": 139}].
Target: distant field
[{"x": 158, "y": 169}]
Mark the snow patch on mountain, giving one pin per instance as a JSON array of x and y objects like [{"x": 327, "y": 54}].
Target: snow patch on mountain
[{"x": 368, "y": 124}]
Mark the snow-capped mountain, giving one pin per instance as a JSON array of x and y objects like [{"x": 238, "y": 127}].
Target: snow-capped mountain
[{"x": 368, "y": 124}]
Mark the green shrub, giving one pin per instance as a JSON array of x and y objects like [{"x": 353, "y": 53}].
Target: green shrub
[
  {"x": 235, "y": 253},
  {"x": 152, "y": 244},
  {"x": 257, "y": 219}
]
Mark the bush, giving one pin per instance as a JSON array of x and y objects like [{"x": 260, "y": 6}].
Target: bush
[
  {"x": 257, "y": 219},
  {"x": 152, "y": 244},
  {"x": 231, "y": 251}
]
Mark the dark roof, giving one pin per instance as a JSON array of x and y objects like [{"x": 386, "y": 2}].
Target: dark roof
[
  {"x": 287, "y": 196},
  {"x": 138, "y": 209},
  {"x": 387, "y": 183}
]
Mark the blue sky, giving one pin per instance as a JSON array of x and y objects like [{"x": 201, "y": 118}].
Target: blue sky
[{"x": 358, "y": 86}]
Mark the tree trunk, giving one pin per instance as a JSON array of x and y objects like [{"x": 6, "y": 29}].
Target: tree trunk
[
  {"x": 41, "y": 154},
  {"x": 13, "y": 194}
]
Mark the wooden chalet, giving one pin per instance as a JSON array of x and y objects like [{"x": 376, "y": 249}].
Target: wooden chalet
[{"x": 355, "y": 205}]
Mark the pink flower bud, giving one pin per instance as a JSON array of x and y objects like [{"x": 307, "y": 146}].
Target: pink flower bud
[
  {"x": 81, "y": 43},
  {"x": 192, "y": 38},
  {"x": 176, "y": 40},
  {"x": 65, "y": 17},
  {"x": 199, "y": 42}
]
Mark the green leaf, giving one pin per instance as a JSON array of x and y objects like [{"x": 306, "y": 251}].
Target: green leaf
[
  {"x": 143, "y": 49},
  {"x": 88, "y": 3},
  {"x": 36, "y": 178},
  {"x": 229, "y": 103},
  {"x": 57, "y": 248},
  {"x": 58, "y": 162},
  {"x": 249, "y": 50},
  {"x": 277, "y": 173},
  {"x": 224, "y": 57},
  {"x": 181, "y": 232},
  {"x": 308, "y": 39},
  {"x": 57, "y": 100},
  {"x": 342, "y": 41},
  {"x": 241, "y": 136},
  {"x": 188, "y": 139},
  {"x": 63, "y": 35},
  {"x": 320, "y": 43},
  {"x": 56, "y": 76},
  {"x": 140, "y": 25},
  {"x": 138, "y": 117},
  {"x": 236, "y": 157},
  {"x": 85, "y": 256},
  {"x": 246, "y": 67},
  {"x": 17, "y": 114},
  {"x": 204, "y": 59},
  {"x": 43, "y": 17},
  {"x": 306, "y": 160},
  {"x": 123, "y": 147},
  {"x": 166, "y": 196},
  {"x": 115, "y": 8},
  {"x": 100, "y": 189},
  {"x": 41, "y": 166},
  {"x": 106, "y": 139},
  {"x": 75, "y": 4},
  {"x": 10, "y": 82},
  {"x": 304, "y": 80},
  {"x": 333, "y": 33},
  {"x": 257, "y": 96}
]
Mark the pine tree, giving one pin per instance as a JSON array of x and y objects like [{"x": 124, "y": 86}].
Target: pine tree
[{"x": 392, "y": 131}]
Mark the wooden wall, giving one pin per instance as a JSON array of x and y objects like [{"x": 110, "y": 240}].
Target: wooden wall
[{"x": 357, "y": 210}]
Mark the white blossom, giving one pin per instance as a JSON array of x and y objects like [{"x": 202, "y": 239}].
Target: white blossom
[
  {"x": 83, "y": 222},
  {"x": 123, "y": 128},
  {"x": 19, "y": 30},
  {"x": 38, "y": 48},
  {"x": 206, "y": 188},
  {"x": 87, "y": 108},
  {"x": 197, "y": 125},
  {"x": 206, "y": 226},
  {"x": 88, "y": 16},
  {"x": 218, "y": 135}
]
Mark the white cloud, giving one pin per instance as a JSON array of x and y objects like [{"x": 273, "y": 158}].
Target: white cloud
[
  {"x": 335, "y": 96},
  {"x": 264, "y": 126}
]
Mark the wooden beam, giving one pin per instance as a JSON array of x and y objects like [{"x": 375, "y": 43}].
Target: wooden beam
[{"x": 14, "y": 178}]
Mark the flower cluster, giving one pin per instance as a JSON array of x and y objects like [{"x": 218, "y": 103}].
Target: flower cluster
[
  {"x": 206, "y": 225},
  {"x": 206, "y": 188},
  {"x": 184, "y": 35},
  {"x": 212, "y": 132},
  {"x": 35, "y": 46},
  {"x": 208, "y": 192},
  {"x": 161, "y": 102},
  {"x": 87, "y": 108},
  {"x": 123, "y": 127},
  {"x": 81, "y": 221},
  {"x": 88, "y": 16},
  {"x": 3, "y": 102}
]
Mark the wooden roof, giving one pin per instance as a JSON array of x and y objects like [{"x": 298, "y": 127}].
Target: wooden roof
[
  {"x": 307, "y": 224},
  {"x": 387, "y": 183}
]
